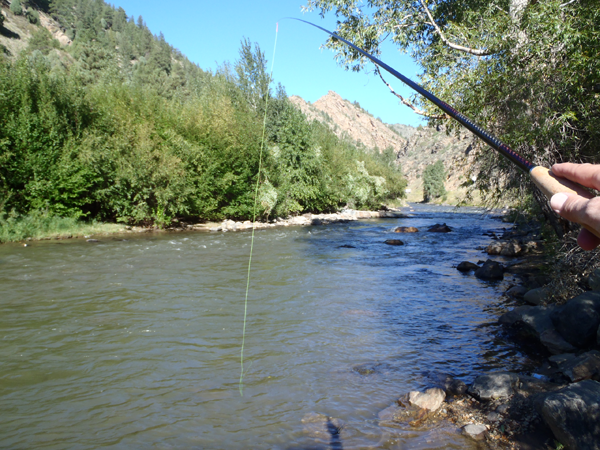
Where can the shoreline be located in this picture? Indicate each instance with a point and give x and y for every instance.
(525, 408)
(109, 229)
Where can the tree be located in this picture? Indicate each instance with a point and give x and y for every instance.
(526, 71)
(433, 181)
(16, 8)
(252, 77)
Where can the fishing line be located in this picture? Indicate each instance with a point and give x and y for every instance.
(262, 145)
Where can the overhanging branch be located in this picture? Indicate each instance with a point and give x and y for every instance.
(407, 103)
(472, 51)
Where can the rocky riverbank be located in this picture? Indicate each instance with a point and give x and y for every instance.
(555, 406)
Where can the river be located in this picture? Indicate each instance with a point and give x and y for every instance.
(134, 341)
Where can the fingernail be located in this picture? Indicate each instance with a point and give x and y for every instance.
(557, 201)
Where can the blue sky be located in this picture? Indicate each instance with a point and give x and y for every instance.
(209, 33)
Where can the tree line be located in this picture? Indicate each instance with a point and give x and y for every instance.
(120, 126)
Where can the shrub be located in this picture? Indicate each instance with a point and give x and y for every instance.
(16, 8)
(32, 15)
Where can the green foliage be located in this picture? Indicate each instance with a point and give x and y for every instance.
(16, 8)
(1, 20)
(433, 181)
(33, 16)
(43, 41)
(124, 128)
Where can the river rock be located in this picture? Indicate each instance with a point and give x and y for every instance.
(446, 382)
(594, 280)
(537, 296)
(578, 320)
(92, 240)
(511, 248)
(583, 367)
(475, 431)
(467, 266)
(430, 400)
(517, 291)
(406, 230)
(491, 270)
(554, 342)
(322, 426)
(394, 242)
(573, 415)
(535, 323)
(493, 386)
(440, 228)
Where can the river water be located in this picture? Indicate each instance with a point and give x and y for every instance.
(134, 341)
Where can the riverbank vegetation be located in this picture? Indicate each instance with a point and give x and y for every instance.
(121, 127)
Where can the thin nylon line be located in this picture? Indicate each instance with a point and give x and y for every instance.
(262, 145)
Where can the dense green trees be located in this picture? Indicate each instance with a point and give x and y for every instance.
(527, 71)
(123, 127)
(434, 176)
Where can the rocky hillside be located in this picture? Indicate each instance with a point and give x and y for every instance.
(415, 147)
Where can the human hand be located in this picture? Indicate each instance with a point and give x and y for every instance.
(576, 208)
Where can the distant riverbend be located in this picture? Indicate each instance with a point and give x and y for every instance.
(134, 341)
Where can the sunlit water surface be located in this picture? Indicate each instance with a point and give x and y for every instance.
(134, 341)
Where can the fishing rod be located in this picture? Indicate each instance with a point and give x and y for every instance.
(543, 178)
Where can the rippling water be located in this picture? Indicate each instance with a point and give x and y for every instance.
(134, 341)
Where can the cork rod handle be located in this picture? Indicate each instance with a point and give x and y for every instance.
(550, 184)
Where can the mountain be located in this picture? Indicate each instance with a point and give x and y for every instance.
(415, 148)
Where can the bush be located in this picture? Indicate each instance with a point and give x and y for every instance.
(32, 15)
(16, 8)
(433, 181)
(1, 19)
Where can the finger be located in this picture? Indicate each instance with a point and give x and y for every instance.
(585, 174)
(587, 240)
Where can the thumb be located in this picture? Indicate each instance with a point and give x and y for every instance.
(577, 209)
(583, 211)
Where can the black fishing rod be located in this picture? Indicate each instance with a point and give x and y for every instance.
(544, 179)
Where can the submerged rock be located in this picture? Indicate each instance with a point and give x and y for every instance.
(440, 228)
(322, 426)
(406, 230)
(573, 415)
(467, 266)
(394, 242)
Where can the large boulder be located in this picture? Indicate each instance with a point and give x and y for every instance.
(535, 323)
(573, 415)
(491, 270)
(493, 386)
(578, 320)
